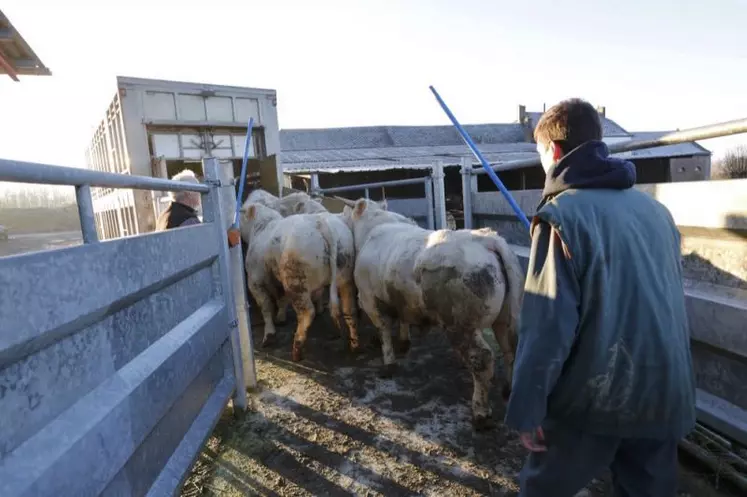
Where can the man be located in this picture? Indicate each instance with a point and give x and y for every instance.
(603, 374)
(183, 209)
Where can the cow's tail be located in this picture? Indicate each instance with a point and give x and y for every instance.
(512, 273)
(330, 238)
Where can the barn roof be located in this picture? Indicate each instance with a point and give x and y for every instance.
(16, 56)
(609, 127)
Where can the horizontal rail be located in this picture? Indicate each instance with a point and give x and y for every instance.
(380, 184)
(688, 135)
(45, 174)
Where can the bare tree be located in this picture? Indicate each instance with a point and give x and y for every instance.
(733, 165)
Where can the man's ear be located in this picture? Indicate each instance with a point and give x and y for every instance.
(360, 208)
(557, 152)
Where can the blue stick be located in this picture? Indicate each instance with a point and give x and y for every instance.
(242, 179)
(471, 144)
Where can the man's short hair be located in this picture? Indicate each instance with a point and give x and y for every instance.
(188, 176)
(569, 123)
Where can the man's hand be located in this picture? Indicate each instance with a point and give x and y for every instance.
(234, 237)
(533, 440)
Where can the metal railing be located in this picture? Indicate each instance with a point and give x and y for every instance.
(435, 198)
(141, 389)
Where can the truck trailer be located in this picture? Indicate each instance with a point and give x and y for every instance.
(157, 128)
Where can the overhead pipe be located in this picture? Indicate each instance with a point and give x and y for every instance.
(688, 135)
(486, 166)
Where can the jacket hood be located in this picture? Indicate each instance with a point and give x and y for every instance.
(589, 166)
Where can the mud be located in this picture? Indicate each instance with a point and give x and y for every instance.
(330, 426)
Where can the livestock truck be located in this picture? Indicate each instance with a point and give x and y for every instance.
(157, 128)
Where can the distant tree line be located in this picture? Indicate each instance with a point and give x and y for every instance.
(36, 196)
(733, 165)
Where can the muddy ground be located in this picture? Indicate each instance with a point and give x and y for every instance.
(329, 426)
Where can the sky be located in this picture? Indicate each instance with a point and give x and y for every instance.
(654, 64)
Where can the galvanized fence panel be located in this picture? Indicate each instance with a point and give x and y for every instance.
(116, 358)
(429, 211)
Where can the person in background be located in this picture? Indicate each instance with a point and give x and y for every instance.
(603, 376)
(182, 211)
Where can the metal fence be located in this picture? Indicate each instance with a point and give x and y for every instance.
(433, 201)
(118, 357)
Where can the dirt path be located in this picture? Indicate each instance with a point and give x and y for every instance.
(330, 427)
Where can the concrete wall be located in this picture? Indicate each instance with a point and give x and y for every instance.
(712, 218)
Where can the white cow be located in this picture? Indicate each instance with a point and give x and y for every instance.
(295, 203)
(295, 256)
(462, 281)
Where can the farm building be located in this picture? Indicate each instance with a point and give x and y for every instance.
(157, 128)
(383, 153)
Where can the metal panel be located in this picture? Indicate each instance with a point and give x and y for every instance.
(159, 105)
(246, 108)
(166, 145)
(116, 358)
(219, 109)
(23, 283)
(191, 107)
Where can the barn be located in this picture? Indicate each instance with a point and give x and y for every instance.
(335, 157)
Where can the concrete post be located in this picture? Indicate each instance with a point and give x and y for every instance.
(466, 171)
(439, 194)
(238, 282)
(314, 184)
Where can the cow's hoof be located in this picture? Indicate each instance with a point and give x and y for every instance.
(269, 341)
(506, 392)
(388, 371)
(483, 423)
(297, 354)
(355, 347)
(403, 346)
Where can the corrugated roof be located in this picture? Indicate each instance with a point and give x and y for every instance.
(679, 150)
(373, 137)
(16, 56)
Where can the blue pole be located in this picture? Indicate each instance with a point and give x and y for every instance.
(242, 179)
(471, 144)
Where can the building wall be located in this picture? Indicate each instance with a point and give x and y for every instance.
(696, 168)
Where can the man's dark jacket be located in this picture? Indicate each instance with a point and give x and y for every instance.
(604, 343)
(176, 215)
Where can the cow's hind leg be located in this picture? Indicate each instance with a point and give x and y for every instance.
(403, 343)
(305, 312)
(504, 335)
(282, 313)
(383, 324)
(478, 357)
(267, 305)
(349, 314)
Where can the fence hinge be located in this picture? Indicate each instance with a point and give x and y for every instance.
(214, 182)
(233, 324)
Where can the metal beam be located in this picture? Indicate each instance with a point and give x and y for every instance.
(8, 67)
(44, 174)
(689, 135)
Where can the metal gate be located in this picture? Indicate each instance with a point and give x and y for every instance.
(117, 357)
(420, 209)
